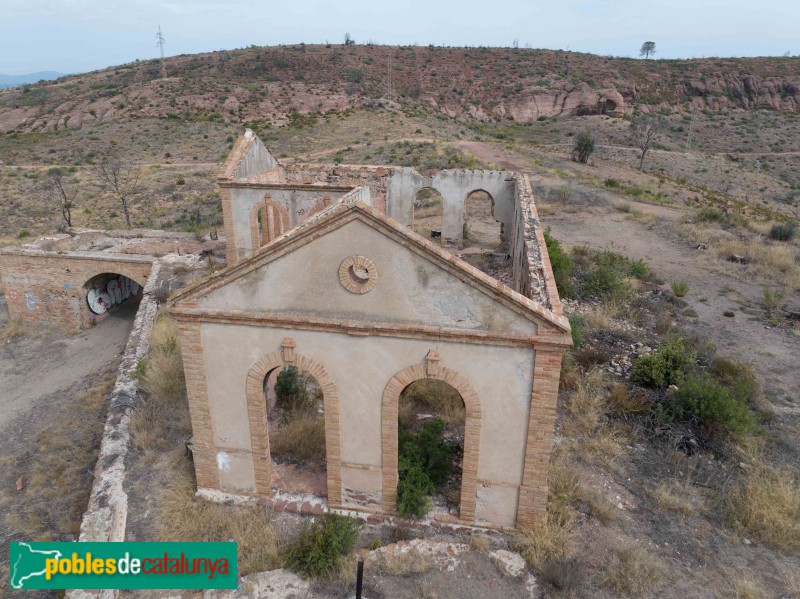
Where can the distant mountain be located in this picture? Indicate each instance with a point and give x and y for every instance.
(12, 80)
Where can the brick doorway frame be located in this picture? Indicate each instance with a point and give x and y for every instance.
(257, 416)
(389, 436)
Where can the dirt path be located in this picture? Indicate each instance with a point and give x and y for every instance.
(34, 367)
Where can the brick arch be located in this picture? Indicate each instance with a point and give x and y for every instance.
(257, 416)
(493, 204)
(274, 221)
(472, 429)
(116, 269)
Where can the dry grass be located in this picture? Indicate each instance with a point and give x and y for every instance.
(677, 497)
(623, 399)
(771, 261)
(60, 470)
(479, 543)
(635, 573)
(553, 540)
(182, 517)
(13, 328)
(401, 564)
(588, 404)
(766, 504)
(606, 447)
(743, 588)
(436, 397)
(163, 416)
(602, 316)
(599, 507)
(302, 437)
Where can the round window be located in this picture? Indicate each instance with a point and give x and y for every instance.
(358, 274)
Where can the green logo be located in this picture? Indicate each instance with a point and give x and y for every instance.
(123, 566)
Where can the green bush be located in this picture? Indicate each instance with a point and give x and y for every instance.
(577, 323)
(666, 367)
(638, 269)
(611, 183)
(583, 148)
(700, 397)
(291, 391)
(604, 282)
(679, 288)
(319, 549)
(563, 266)
(424, 462)
(784, 231)
(709, 215)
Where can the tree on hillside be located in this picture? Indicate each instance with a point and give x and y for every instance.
(647, 49)
(120, 179)
(644, 131)
(348, 41)
(56, 190)
(583, 148)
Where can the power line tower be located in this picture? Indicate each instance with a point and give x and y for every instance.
(160, 42)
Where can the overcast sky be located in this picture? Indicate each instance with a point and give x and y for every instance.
(80, 35)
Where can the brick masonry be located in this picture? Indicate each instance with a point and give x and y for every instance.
(48, 287)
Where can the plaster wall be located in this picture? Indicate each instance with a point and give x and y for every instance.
(454, 186)
(256, 160)
(299, 203)
(361, 367)
(410, 288)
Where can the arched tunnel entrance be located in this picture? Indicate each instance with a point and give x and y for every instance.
(108, 293)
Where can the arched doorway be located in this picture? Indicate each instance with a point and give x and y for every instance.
(481, 230)
(431, 419)
(111, 293)
(427, 214)
(296, 424)
(390, 430)
(257, 409)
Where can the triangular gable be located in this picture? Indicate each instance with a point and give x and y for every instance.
(248, 157)
(340, 215)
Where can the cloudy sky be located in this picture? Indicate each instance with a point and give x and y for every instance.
(81, 35)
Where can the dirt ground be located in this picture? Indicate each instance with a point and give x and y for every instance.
(42, 376)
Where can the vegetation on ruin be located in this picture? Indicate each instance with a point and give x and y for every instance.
(320, 548)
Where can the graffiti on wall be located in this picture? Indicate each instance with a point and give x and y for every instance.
(102, 297)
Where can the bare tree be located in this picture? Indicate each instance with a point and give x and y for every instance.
(644, 131)
(121, 179)
(56, 189)
(647, 49)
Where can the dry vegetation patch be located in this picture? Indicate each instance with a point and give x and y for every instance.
(183, 517)
(635, 573)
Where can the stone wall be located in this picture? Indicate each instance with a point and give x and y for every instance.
(47, 287)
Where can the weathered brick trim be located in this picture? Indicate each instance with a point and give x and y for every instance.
(472, 429)
(257, 237)
(257, 416)
(231, 256)
(532, 508)
(186, 312)
(194, 367)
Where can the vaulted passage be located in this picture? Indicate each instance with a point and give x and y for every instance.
(427, 214)
(111, 293)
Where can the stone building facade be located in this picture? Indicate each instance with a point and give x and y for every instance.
(324, 274)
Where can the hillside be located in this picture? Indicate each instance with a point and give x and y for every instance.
(483, 84)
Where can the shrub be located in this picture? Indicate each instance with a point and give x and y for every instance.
(604, 282)
(667, 366)
(709, 215)
(783, 231)
(319, 549)
(635, 573)
(23, 234)
(563, 266)
(291, 392)
(638, 269)
(424, 462)
(301, 438)
(583, 148)
(679, 288)
(700, 397)
(577, 323)
(611, 183)
(772, 299)
(181, 181)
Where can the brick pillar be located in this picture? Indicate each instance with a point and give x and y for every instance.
(204, 451)
(227, 217)
(532, 508)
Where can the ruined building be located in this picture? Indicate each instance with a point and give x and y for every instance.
(324, 274)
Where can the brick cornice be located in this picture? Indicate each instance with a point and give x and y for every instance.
(184, 312)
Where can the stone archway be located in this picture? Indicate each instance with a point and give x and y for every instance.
(389, 437)
(257, 416)
(268, 220)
